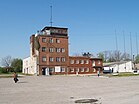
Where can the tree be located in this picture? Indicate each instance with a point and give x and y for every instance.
(101, 55)
(17, 64)
(137, 59)
(6, 61)
(106, 55)
(113, 56)
(125, 57)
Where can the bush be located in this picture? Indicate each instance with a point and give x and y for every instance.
(6, 70)
(2, 70)
(17, 70)
(11, 70)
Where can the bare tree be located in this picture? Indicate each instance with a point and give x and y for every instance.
(6, 61)
(125, 57)
(101, 55)
(113, 56)
(106, 55)
(117, 55)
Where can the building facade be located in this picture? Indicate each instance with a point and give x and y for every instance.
(84, 65)
(49, 55)
(118, 67)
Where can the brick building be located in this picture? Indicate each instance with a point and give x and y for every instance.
(49, 54)
(84, 65)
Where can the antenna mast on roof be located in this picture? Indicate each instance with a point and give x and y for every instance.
(51, 16)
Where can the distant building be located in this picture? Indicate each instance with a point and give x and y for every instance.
(49, 54)
(125, 66)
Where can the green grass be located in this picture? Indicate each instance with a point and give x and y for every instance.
(125, 74)
(9, 75)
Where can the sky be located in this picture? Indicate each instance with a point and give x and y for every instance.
(91, 24)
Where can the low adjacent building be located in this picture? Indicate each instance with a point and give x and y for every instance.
(124, 66)
(84, 65)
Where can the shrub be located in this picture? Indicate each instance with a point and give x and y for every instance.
(2, 70)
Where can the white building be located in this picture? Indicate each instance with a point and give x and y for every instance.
(125, 66)
(26, 65)
(29, 66)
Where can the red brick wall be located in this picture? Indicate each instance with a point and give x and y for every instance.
(63, 44)
(79, 66)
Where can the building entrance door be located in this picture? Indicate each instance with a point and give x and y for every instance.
(47, 71)
(43, 71)
(77, 71)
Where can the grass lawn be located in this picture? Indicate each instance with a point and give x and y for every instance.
(124, 74)
(9, 75)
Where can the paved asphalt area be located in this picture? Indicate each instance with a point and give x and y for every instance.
(68, 89)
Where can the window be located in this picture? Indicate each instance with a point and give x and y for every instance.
(43, 49)
(98, 61)
(77, 61)
(62, 69)
(57, 49)
(50, 40)
(94, 70)
(87, 69)
(44, 40)
(82, 61)
(51, 69)
(93, 63)
(63, 49)
(72, 70)
(71, 61)
(82, 69)
(43, 59)
(57, 41)
(99, 69)
(51, 59)
(51, 50)
(63, 59)
(87, 62)
(57, 59)
(77, 69)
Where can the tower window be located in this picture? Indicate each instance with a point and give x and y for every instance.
(63, 49)
(51, 50)
(44, 40)
(63, 59)
(50, 40)
(51, 59)
(43, 59)
(43, 49)
(58, 49)
(57, 59)
(57, 41)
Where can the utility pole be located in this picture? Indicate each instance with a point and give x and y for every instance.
(131, 46)
(137, 43)
(124, 49)
(116, 44)
(116, 51)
